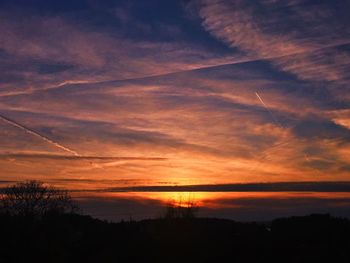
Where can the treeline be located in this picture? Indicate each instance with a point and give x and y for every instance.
(77, 238)
(39, 223)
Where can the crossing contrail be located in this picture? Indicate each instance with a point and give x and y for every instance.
(32, 132)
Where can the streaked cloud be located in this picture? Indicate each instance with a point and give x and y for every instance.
(248, 187)
(78, 53)
(172, 98)
(305, 38)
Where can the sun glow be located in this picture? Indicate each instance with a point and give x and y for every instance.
(212, 200)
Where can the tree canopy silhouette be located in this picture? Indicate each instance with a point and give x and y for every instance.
(34, 198)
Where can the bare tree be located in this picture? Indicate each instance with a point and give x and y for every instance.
(185, 210)
(34, 198)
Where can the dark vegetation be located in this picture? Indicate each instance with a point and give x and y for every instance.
(184, 210)
(35, 199)
(70, 237)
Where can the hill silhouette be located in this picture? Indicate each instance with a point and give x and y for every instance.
(78, 238)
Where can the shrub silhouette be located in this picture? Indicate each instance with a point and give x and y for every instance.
(34, 198)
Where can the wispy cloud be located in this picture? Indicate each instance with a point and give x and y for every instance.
(299, 37)
(76, 53)
(175, 97)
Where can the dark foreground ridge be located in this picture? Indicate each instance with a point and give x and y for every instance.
(77, 238)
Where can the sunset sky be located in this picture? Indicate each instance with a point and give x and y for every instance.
(98, 94)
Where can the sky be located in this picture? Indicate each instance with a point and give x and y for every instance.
(99, 94)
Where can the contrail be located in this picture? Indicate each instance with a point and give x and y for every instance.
(268, 109)
(208, 66)
(280, 125)
(32, 132)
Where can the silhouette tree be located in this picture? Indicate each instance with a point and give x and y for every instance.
(34, 198)
(185, 210)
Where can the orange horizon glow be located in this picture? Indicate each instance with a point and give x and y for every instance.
(212, 200)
